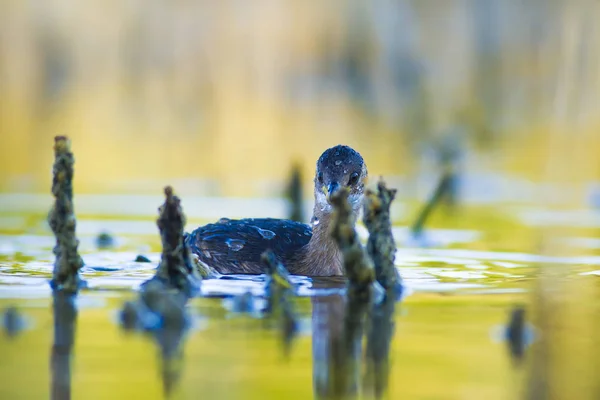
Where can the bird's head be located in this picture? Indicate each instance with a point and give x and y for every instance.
(338, 167)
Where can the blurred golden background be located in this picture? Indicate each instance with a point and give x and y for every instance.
(220, 98)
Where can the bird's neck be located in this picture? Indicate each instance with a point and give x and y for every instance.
(321, 256)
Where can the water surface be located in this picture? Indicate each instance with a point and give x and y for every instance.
(441, 341)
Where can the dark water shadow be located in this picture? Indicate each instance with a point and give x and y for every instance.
(169, 339)
(65, 323)
(162, 316)
(380, 331)
(342, 368)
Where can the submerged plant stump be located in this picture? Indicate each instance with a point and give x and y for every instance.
(441, 190)
(381, 246)
(175, 269)
(278, 281)
(162, 301)
(357, 265)
(65, 276)
(294, 193)
(161, 307)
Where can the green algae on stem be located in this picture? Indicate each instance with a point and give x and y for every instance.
(175, 269)
(65, 276)
(381, 246)
(358, 267)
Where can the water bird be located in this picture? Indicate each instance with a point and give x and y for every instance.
(235, 246)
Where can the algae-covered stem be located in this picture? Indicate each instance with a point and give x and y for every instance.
(62, 221)
(381, 246)
(357, 265)
(175, 269)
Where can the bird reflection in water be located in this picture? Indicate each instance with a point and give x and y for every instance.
(339, 326)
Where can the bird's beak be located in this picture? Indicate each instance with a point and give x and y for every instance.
(331, 189)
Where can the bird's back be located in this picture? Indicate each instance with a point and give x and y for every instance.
(235, 246)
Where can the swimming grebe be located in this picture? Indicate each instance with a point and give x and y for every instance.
(235, 246)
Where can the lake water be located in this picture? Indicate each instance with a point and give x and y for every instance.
(445, 339)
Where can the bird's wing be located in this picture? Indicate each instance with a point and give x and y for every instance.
(235, 246)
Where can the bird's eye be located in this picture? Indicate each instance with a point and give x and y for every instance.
(353, 179)
(320, 177)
